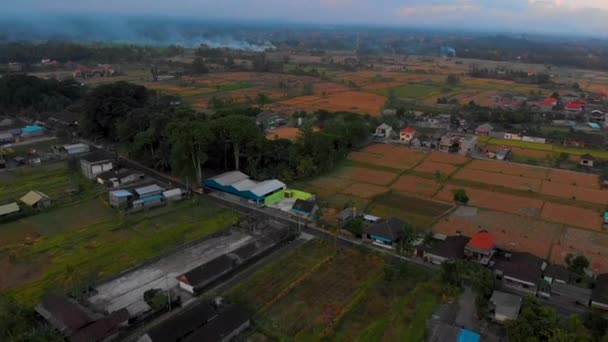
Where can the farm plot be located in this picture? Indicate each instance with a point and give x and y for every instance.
(420, 213)
(593, 245)
(359, 174)
(265, 285)
(289, 133)
(575, 192)
(574, 216)
(416, 91)
(448, 158)
(512, 232)
(396, 157)
(354, 101)
(574, 178)
(364, 190)
(509, 169)
(491, 178)
(311, 309)
(494, 201)
(416, 186)
(432, 167)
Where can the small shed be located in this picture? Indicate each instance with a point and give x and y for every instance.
(484, 129)
(36, 199)
(587, 160)
(174, 195)
(384, 131)
(302, 208)
(32, 131)
(345, 216)
(120, 198)
(149, 190)
(8, 209)
(76, 149)
(149, 201)
(506, 306)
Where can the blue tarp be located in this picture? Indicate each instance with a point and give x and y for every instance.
(153, 198)
(120, 193)
(32, 129)
(468, 336)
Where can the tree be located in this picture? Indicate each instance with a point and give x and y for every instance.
(534, 323)
(460, 196)
(308, 89)
(199, 67)
(262, 99)
(408, 235)
(238, 130)
(190, 137)
(453, 80)
(555, 95)
(19, 323)
(596, 323)
(577, 264)
(157, 299)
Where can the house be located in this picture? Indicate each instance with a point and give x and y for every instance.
(416, 142)
(345, 216)
(519, 271)
(199, 278)
(95, 164)
(574, 106)
(512, 135)
(484, 129)
(174, 195)
(385, 232)
(599, 296)
(148, 190)
(506, 306)
(116, 178)
(384, 131)
(481, 247)
(32, 131)
(239, 184)
(120, 198)
(304, 209)
(407, 134)
(6, 138)
(457, 143)
(148, 201)
(64, 314)
(449, 248)
(104, 329)
(587, 160)
(75, 149)
(9, 209)
(36, 200)
(443, 332)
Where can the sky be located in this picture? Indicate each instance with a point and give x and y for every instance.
(588, 17)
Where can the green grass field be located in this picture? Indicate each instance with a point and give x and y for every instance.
(316, 293)
(102, 242)
(412, 91)
(234, 86)
(546, 147)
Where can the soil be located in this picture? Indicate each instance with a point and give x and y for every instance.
(492, 178)
(367, 175)
(364, 190)
(412, 185)
(566, 214)
(574, 192)
(432, 167)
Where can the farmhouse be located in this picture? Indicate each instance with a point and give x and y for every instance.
(239, 184)
(120, 198)
(304, 209)
(385, 232)
(506, 306)
(197, 279)
(587, 160)
(36, 199)
(484, 129)
(384, 131)
(520, 271)
(9, 209)
(407, 134)
(449, 248)
(456, 143)
(94, 164)
(481, 247)
(64, 314)
(599, 297)
(75, 149)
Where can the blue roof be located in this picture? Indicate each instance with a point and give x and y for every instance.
(594, 125)
(468, 336)
(32, 129)
(152, 198)
(121, 193)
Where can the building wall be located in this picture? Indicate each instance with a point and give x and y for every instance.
(186, 287)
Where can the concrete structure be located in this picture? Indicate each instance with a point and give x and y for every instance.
(304, 209)
(384, 131)
(36, 199)
(9, 209)
(174, 195)
(407, 135)
(116, 178)
(95, 164)
(506, 306)
(76, 149)
(520, 271)
(239, 184)
(449, 248)
(385, 232)
(149, 190)
(120, 198)
(481, 247)
(458, 143)
(587, 160)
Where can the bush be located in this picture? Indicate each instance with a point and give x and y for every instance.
(460, 196)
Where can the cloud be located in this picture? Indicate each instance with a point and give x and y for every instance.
(459, 7)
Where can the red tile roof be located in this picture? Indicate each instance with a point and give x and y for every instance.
(409, 129)
(482, 240)
(549, 101)
(574, 105)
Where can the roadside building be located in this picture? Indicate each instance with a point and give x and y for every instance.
(443, 332)
(149, 190)
(239, 184)
(231, 322)
(345, 216)
(32, 131)
(104, 329)
(8, 209)
(449, 248)
(116, 178)
(76, 149)
(197, 279)
(407, 134)
(304, 209)
(95, 164)
(148, 202)
(174, 195)
(587, 160)
(481, 247)
(385, 232)
(120, 198)
(184, 323)
(484, 129)
(36, 200)
(384, 131)
(520, 271)
(599, 297)
(64, 314)
(6, 138)
(506, 306)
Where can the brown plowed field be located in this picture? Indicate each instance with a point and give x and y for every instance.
(289, 133)
(367, 175)
(432, 167)
(512, 232)
(365, 190)
(416, 186)
(396, 157)
(508, 168)
(448, 158)
(494, 201)
(572, 178)
(492, 178)
(331, 183)
(354, 101)
(593, 245)
(579, 193)
(573, 216)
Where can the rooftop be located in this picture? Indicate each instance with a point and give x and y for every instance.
(523, 266)
(206, 273)
(304, 206)
(9, 208)
(102, 328)
(143, 191)
(408, 129)
(33, 197)
(182, 324)
(229, 178)
(220, 327)
(507, 305)
(63, 313)
(391, 228)
(452, 247)
(482, 240)
(95, 157)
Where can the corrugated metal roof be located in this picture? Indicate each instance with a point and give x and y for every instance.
(229, 178)
(245, 184)
(78, 146)
(152, 198)
(33, 197)
(468, 336)
(32, 129)
(173, 192)
(9, 209)
(121, 193)
(148, 189)
(266, 187)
